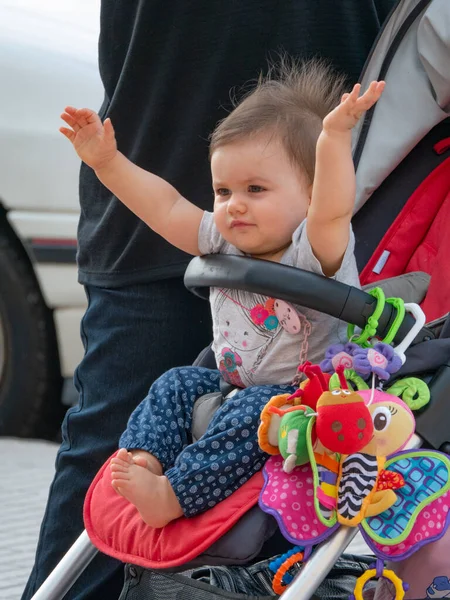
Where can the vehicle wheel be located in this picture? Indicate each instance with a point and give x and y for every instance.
(30, 379)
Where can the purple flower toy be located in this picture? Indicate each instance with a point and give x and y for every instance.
(381, 360)
(339, 355)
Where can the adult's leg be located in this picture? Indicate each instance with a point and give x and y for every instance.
(131, 336)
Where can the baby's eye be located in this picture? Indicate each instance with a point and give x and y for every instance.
(223, 192)
(245, 332)
(255, 189)
(227, 323)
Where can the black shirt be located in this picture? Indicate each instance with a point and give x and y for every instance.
(167, 69)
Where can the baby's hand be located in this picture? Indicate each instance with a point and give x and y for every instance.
(93, 140)
(345, 116)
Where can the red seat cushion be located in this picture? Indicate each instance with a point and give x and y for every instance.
(116, 529)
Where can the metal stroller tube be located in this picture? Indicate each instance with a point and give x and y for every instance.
(318, 566)
(67, 571)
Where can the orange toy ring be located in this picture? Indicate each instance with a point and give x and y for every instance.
(277, 585)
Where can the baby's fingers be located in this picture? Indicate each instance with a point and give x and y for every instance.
(71, 110)
(354, 94)
(108, 128)
(69, 133)
(82, 116)
(70, 121)
(371, 95)
(349, 99)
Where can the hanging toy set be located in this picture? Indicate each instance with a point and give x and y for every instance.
(337, 455)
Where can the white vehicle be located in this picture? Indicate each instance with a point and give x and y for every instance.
(48, 59)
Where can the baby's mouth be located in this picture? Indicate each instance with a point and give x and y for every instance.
(238, 224)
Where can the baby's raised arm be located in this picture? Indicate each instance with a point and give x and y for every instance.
(333, 193)
(151, 198)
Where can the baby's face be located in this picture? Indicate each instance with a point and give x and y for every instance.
(260, 198)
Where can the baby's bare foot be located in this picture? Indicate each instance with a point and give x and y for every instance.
(151, 494)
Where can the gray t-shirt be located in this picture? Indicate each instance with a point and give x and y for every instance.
(260, 340)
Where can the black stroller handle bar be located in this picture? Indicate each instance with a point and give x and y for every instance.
(293, 285)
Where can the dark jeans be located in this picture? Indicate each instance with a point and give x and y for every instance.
(131, 336)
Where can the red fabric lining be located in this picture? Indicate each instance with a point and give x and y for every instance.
(437, 302)
(116, 529)
(417, 241)
(442, 146)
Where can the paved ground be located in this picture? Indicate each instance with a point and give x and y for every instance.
(26, 470)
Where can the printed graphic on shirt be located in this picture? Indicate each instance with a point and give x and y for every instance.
(439, 588)
(247, 326)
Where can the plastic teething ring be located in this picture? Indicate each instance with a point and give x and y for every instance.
(399, 305)
(387, 574)
(370, 329)
(277, 584)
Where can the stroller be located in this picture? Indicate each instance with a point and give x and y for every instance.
(403, 185)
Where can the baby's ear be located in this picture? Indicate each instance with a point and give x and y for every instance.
(270, 424)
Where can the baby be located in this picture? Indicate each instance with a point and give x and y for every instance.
(284, 191)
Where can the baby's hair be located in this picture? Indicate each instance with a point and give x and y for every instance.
(289, 103)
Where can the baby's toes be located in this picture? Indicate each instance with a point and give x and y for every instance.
(116, 487)
(119, 475)
(140, 461)
(124, 455)
(118, 465)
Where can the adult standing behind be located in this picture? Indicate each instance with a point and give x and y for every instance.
(167, 70)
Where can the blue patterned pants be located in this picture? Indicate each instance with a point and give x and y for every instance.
(223, 459)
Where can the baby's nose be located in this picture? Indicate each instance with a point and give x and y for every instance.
(236, 204)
